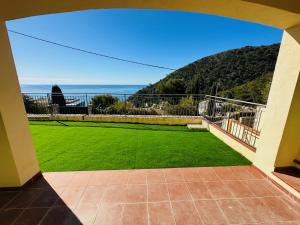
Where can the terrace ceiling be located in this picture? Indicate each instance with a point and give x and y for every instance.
(277, 13)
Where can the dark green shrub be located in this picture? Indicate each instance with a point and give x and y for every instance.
(112, 110)
(57, 97)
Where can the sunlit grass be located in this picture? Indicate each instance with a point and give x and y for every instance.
(69, 146)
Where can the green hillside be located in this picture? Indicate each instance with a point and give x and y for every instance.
(232, 71)
(256, 90)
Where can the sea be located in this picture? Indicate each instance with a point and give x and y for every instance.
(82, 89)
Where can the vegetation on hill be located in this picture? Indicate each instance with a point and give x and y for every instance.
(228, 70)
(256, 90)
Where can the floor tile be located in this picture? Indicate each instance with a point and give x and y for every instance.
(31, 216)
(86, 213)
(191, 174)
(218, 190)
(256, 173)
(61, 179)
(155, 176)
(62, 214)
(9, 215)
(209, 212)
(92, 195)
(225, 173)
(207, 174)
(257, 209)
(243, 172)
(287, 223)
(137, 177)
(173, 175)
(105, 197)
(46, 199)
(118, 177)
(70, 197)
(185, 213)
(262, 188)
(157, 193)
(135, 214)
(199, 190)
(178, 191)
(136, 193)
(49, 175)
(100, 177)
(40, 183)
(280, 211)
(291, 203)
(24, 198)
(115, 194)
(238, 189)
(80, 179)
(234, 212)
(7, 196)
(160, 213)
(109, 214)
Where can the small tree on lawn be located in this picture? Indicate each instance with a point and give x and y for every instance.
(57, 97)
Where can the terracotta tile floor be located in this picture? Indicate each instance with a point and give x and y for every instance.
(222, 195)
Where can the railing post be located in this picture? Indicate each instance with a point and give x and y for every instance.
(50, 104)
(125, 105)
(86, 103)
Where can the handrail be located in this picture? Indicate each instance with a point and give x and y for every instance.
(96, 93)
(235, 100)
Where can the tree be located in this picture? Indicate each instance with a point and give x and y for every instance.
(196, 85)
(172, 86)
(57, 97)
(232, 68)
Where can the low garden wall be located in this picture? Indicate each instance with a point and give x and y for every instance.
(163, 120)
(233, 142)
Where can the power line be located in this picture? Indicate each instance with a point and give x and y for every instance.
(90, 52)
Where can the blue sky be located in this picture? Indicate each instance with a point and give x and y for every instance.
(168, 38)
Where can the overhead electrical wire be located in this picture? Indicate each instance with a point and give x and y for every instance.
(90, 52)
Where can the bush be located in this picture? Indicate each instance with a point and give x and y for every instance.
(187, 102)
(103, 101)
(120, 108)
(179, 110)
(34, 107)
(186, 107)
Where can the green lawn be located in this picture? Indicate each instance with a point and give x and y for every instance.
(91, 146)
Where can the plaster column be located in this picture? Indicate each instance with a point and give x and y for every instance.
(18, 161)
(280, 138)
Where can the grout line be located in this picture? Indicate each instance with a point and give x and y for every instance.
(222, 211)
(194, 204)
(165, 201)
(81, 197)
(14, 221)
(50, 208)
(11, 200)
(122, 214)
(147, 206)
(170, 203)
(99, 205)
